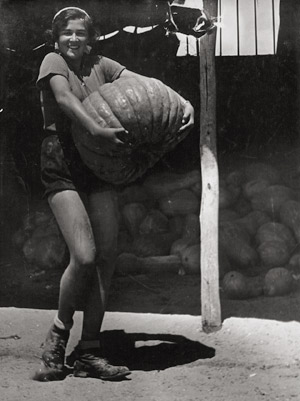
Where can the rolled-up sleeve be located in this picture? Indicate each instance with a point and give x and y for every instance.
(53, 64)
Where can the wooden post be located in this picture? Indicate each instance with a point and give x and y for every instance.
(209, 213)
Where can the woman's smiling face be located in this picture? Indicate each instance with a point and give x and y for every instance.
(73, 40)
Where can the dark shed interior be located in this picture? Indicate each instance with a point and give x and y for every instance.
(257, 101)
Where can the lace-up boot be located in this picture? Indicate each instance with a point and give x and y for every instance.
(53, 357)
(90, 363)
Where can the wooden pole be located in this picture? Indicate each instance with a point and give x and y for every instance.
(209, 211)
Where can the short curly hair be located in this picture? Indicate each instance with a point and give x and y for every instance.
(61, 20)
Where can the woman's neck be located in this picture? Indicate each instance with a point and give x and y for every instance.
(75, 65)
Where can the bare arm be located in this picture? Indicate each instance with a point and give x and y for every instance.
(74, 109)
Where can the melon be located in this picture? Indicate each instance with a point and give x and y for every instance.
(151, 113)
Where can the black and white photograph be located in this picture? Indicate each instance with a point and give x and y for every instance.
(150, 200)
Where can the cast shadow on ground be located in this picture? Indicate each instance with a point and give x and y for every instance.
(141, 351)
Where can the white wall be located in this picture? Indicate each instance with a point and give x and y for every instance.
(246, 27)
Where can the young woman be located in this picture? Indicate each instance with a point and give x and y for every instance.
(67, 76)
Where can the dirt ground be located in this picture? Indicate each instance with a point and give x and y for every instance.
(153, 326)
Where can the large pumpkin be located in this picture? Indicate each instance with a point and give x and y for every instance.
(150, 111)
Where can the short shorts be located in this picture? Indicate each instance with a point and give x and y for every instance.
(62, 167)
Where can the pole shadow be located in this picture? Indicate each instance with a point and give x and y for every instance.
(142, 351)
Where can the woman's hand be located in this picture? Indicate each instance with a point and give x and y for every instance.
(112, 139)
(188, 118)
(110, 135)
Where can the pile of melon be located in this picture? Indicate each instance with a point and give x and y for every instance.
(39, 239)
(159, 228)
(259, 230)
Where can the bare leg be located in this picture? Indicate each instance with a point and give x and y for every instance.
(103, 212)
(75, 225)
(73, 220)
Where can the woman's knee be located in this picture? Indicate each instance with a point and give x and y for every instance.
(84, 260)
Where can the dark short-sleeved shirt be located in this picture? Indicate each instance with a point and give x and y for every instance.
(97, 70)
